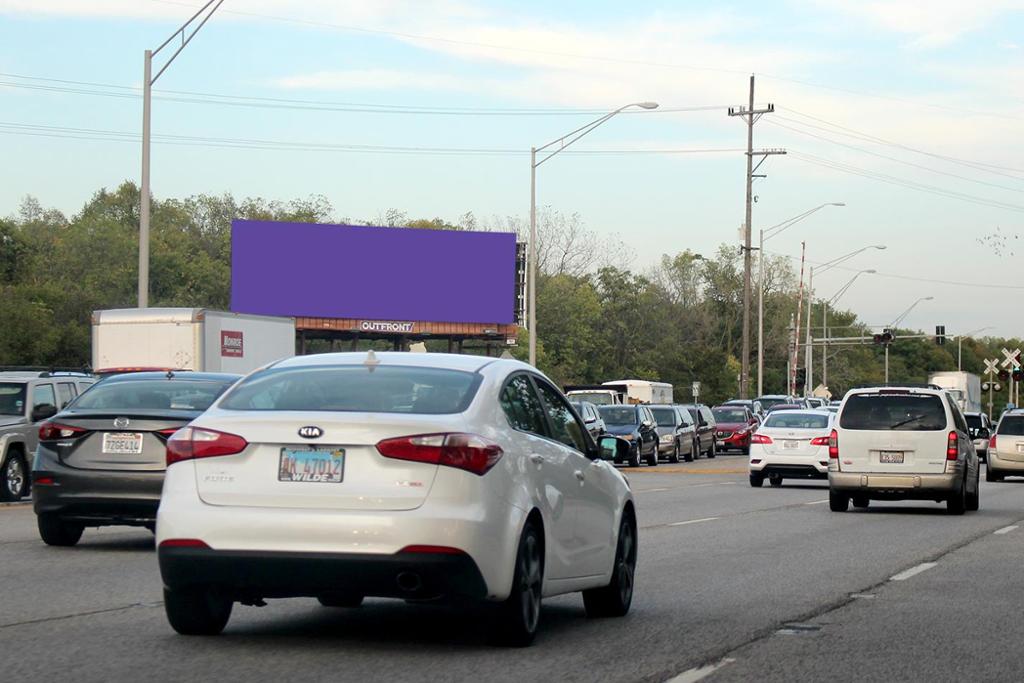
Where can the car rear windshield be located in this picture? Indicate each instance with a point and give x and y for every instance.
(614, 415)
(1011, 425)
(767, 403)
(152, 394)
(973, 421)
(729, 415)
(356, 388)
(666, 417)
(795, 420)
(893, 412)
(12, 398)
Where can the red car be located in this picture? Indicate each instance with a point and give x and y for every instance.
(735, 424)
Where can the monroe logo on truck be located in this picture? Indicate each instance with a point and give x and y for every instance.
(231, 344)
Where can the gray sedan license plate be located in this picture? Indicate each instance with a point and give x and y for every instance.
(891, 457)
(324, 465)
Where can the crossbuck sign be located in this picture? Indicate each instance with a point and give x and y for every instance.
(1011, 362)
(992, 366)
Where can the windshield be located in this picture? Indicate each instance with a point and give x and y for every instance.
(896, 412)
(729, 415)
(1012, 425)
(614, 415)
(665, 417)
(153, 394)
(794, 420)
(767, 402)
(12, 398)
(353, 388)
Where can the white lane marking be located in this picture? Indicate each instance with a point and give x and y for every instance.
(1005, 530)
(817, 502)
(694, 675)
(652, 490)
(913, 571)
(693, 521)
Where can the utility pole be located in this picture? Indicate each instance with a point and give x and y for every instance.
(750, 115)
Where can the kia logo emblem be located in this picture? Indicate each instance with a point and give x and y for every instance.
(310, 432)
(121, 422)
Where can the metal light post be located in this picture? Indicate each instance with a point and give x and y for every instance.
(824, 323)
(778, 228)
(960, 347)
(561, 143)
(893, 325)
(147, 87)
(809, 353)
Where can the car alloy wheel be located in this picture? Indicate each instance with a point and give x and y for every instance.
(15, 478)
(520, 613)
(615, 599)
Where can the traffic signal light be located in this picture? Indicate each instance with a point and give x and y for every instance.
(885, 337)
(1003, 375)
(1018, 375)
(940, 334)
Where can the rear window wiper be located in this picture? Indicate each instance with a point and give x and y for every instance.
(908, 421)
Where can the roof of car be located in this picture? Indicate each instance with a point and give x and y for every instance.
(803, 411)
(896, 388)
(453, 361)
(192, 376)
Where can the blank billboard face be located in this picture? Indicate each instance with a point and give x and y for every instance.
(346, 271)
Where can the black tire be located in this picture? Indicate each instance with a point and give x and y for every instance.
(974, 499)
(746, 450)
(614, 599)
(691, 453)
(55, 531)
(197, 611)
(956, 504)
(633, 458)
(775, 480)
(336, 600)
(992, 475)
(519, 615)
(712, 449)
(674, 458)
(652, 459)
(838, 502)
(756, 480)
(861, 502)
(14, 477)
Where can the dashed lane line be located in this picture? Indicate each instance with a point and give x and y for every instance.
(1005, 529)
(817, 502)
(913, 571)
(693, 521)
(699, 673)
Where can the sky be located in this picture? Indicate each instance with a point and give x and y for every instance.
(907, 112)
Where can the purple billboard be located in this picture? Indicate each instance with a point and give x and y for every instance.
(351, 271)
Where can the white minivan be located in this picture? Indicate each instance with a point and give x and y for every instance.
(895, 443)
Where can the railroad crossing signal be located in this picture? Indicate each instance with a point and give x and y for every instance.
(994, 386)
(991, 366)
(1012, 359)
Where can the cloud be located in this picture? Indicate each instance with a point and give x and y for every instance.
(377, 79)
(929, 24)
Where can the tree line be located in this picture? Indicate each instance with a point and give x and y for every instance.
(600, 317)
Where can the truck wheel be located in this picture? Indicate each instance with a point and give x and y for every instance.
(13, 477)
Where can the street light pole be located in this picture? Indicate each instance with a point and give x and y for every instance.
(892, 326)
(777, 228)
(562, 142)
(147, 90)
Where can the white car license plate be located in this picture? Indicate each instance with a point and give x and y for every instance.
(325, 465)
(791, 444)
(122, 443)
(891, 457)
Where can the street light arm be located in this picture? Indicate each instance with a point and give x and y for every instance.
(575, 135)
(185, 40)
(779, 227)
(905, 313)
(842, 290)
(846, 257)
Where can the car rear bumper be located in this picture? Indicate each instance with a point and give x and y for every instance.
(252, 575)
(809, 471)
(97, 497)
(1003, 464)
(896, 486)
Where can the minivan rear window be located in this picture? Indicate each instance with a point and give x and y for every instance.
(893, 412)
(615, 415)
(666, 417)
(1011, 425)
(355, 388)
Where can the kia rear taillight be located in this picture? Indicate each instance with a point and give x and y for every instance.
(820, 440)
(53, 431)
(189, 443)
(463, 451)
(833, 445)
(952, 446)
(761, 439)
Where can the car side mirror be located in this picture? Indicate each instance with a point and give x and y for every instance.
(43, 411)
(607, 447)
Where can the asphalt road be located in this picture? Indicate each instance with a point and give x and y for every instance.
(734, 583)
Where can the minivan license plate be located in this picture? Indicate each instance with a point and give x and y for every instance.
(311, 465)
(891, 457)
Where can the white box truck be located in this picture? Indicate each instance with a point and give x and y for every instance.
(965, 387)
(188, 339)
(622, 391)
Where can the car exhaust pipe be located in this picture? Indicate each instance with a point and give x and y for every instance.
(409, 582)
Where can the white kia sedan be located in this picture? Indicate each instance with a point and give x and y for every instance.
(791, 444)
(414, 476)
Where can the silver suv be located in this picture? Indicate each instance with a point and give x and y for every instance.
(27, 397)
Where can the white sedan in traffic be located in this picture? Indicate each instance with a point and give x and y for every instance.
(791, 444)
(414, 476)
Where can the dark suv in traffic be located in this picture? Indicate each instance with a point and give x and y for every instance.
(635, 424)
